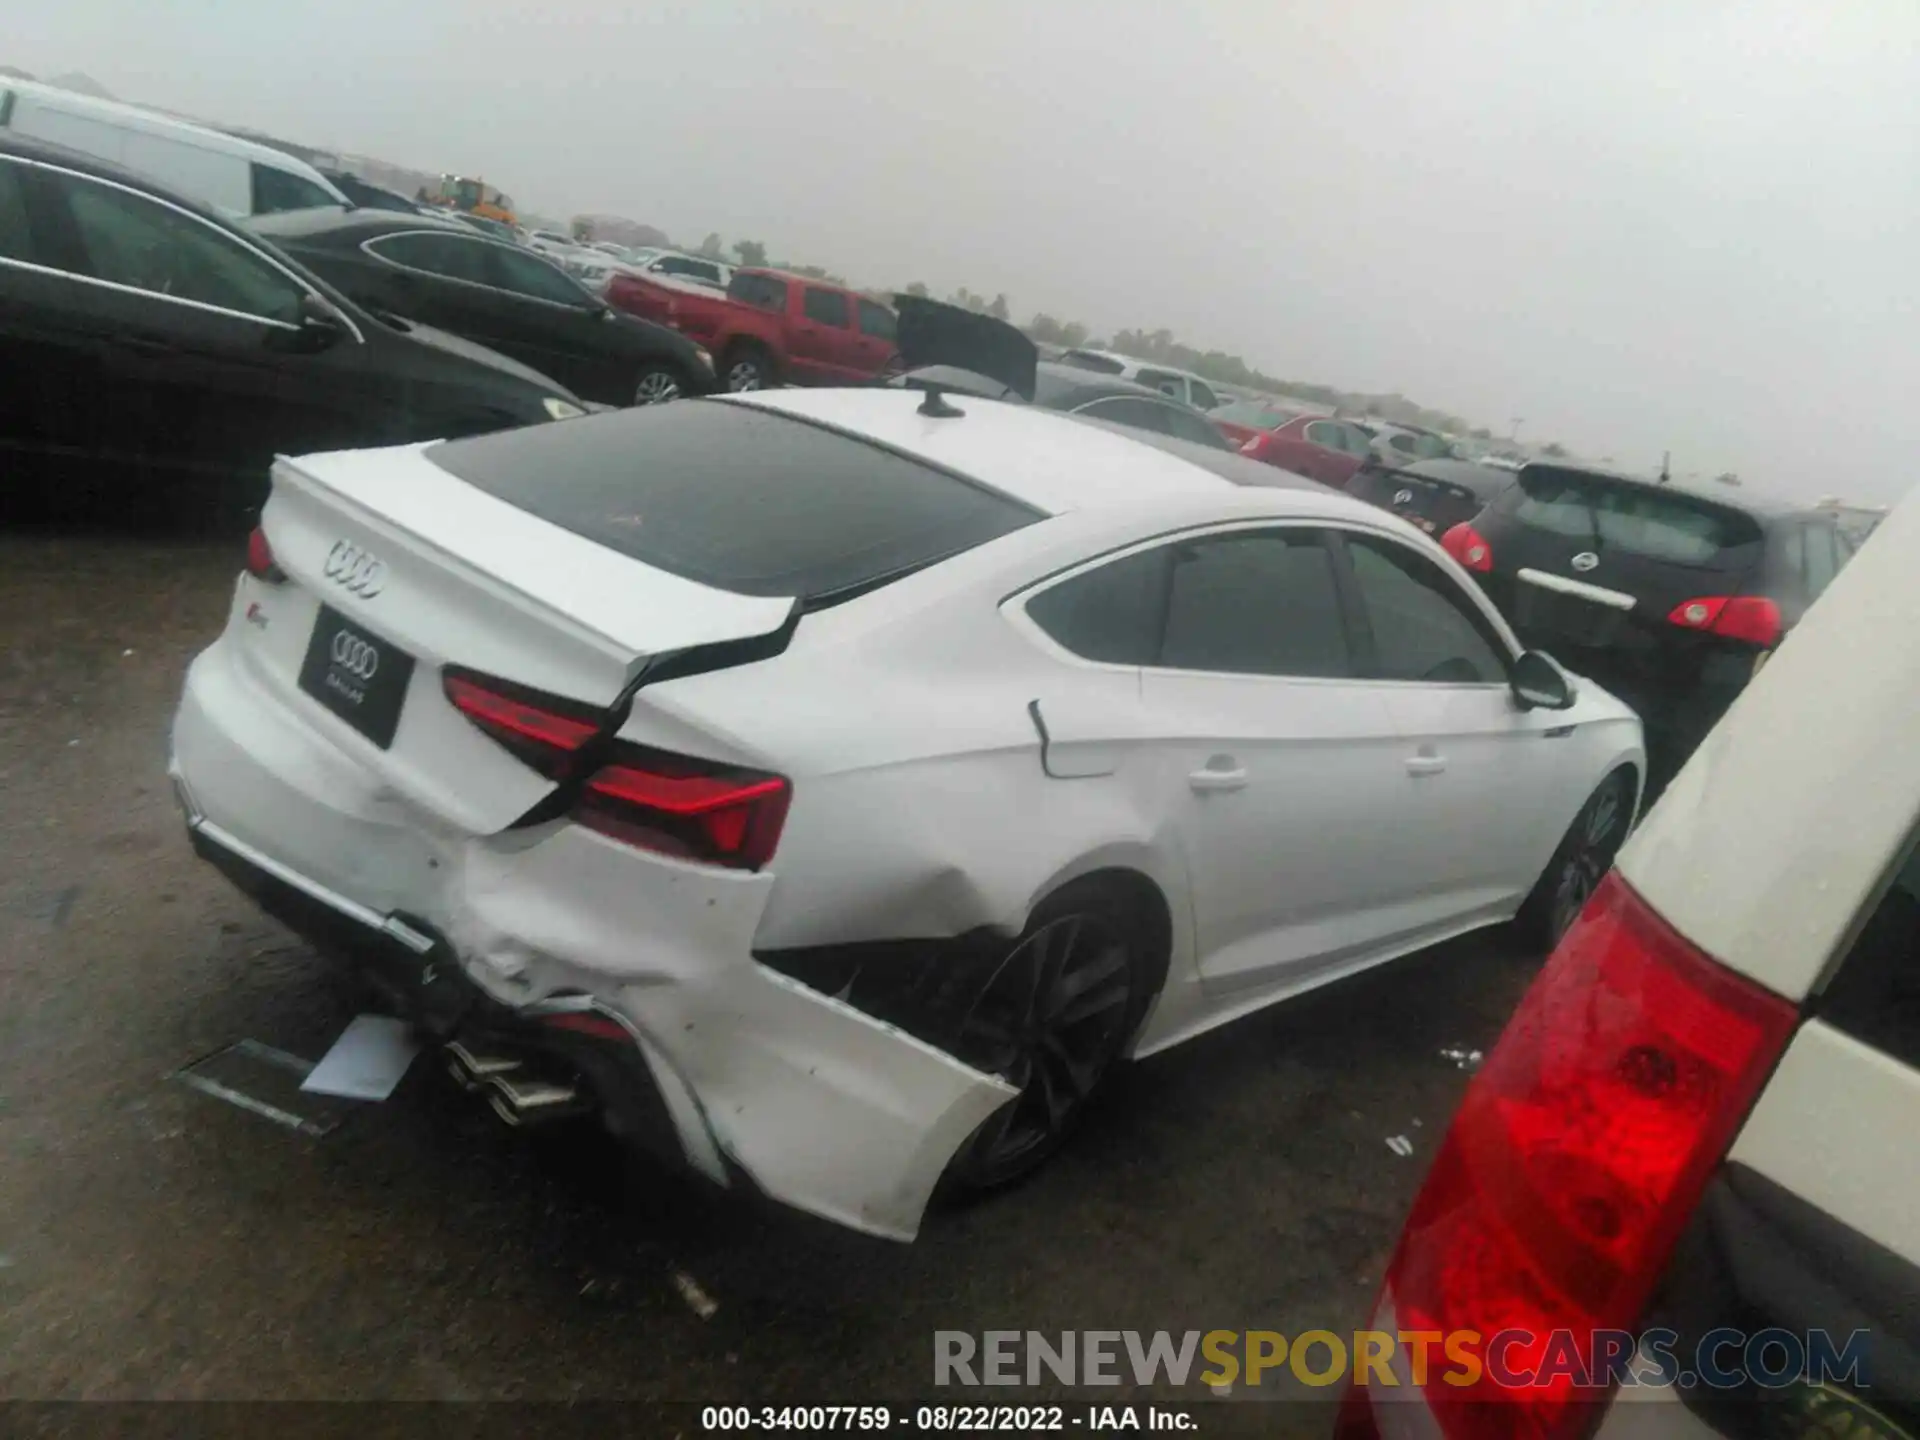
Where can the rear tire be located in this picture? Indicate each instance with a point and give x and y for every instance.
(656, 384)
(1584, 855)
(746, 368)
(1052, 1019)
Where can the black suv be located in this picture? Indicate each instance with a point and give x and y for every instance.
(157, 357)
(1671, 598)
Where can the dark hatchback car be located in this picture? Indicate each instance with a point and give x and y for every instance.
(1670, 598)
(1435, 495)
(500, 295)
(156, 358)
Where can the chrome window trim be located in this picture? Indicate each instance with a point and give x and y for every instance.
(486, 241)
(236, 240)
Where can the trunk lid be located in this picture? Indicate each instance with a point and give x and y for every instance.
(398, 570)
(931, 332)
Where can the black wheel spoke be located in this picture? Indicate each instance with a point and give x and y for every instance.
(1098, 985)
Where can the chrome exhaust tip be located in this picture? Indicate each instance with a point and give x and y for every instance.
(522, 1100)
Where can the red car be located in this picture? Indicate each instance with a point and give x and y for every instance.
(769, 327)
(1317, 446)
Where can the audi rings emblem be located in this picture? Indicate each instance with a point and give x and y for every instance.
(354, 655)
(355, 570)
(1403, 497)
(1585, 561)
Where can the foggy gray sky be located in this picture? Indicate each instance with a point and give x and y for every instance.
(1676, 223)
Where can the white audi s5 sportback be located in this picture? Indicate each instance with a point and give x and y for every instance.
(828, 787)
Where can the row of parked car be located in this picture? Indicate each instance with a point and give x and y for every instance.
(166, 348)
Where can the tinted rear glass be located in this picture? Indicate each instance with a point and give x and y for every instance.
(1627, 518)
(734, 497)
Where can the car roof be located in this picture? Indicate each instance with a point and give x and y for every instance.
(139, 117)
(1056, 463)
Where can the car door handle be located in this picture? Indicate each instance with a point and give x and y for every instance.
(1218, 777)
(1426, 764)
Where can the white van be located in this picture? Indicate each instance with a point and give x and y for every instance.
(232, 175)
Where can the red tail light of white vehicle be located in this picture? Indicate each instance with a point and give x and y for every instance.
(670, 804)
(1576, 1157)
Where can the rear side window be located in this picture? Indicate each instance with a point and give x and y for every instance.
(1133, 413)
(450, 255)
(1083, 360)
(736, 498)
(1255, 604)
(1327, 434)
(1200, 395)
(1631, 519)
(763, 292)
(276, 190)
(826, 307)
(1111, 614)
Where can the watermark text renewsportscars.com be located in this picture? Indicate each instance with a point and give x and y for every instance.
(1723, 1359)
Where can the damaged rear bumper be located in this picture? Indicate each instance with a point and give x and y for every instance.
(720, 1063)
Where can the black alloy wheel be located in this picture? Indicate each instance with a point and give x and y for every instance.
(1577, 867)
(1050, 1021)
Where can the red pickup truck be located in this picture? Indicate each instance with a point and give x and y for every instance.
(770, 328)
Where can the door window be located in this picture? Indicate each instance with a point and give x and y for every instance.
(1259, 603)
(133, 241)
(275, 190)
(827, 307)
(877, 321)
(763, 292)
(529, 275)
(1423, 628)
(1185, 425)
(453, 256)
(1327, 434)
(1111, 614)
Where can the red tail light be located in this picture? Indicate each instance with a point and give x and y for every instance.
(687, 807)
(1469, 547)
(673, 804)
(1579, 1153)
(541, 730)
(260, 562)
(1752, 618)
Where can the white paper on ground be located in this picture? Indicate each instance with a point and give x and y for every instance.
(367, 1061)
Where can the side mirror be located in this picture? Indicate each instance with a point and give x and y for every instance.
(1540, 684)
(321, 327)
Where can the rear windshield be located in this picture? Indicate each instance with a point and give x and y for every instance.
(1082, 360)
(1631, 519)
(736, 498)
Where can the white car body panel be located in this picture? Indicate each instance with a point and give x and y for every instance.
(905, 723)
(1766, 846)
